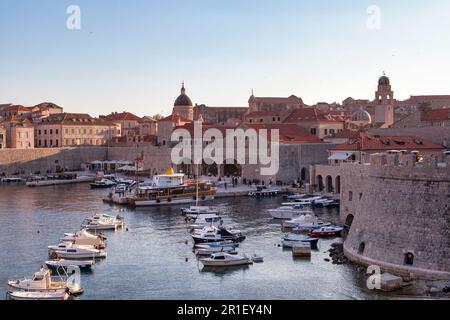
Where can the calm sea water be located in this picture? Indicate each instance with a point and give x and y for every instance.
(149, 260)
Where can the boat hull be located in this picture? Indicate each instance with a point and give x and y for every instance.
(28, 296)
(172, 202)
(231, 263)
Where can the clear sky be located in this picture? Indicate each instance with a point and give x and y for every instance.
(133, 54)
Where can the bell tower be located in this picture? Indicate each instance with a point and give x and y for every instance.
(384, 103)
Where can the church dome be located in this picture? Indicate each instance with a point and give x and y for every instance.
(383, 81)
(183, 99)
(362, 116)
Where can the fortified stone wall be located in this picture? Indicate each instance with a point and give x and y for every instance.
(33, 160)
(156, 159)
(399, 209)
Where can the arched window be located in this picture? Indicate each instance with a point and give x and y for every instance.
(409, 259)
(350, 196)
(303, 174)
(362, 247)
(329, 184)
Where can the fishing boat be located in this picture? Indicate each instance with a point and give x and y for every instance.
(287, 212)
(223, 259)
(329, 231)
(43, 281)
(38, 295)
(83, 237)
(63, 265)
(173, 189)
(290, 240)
(103, 184)
(217, 234)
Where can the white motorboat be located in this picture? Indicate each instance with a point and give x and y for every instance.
(291, 240)
(197, 211)
(77, 253)
(203, 220)
(103, 184)
(66, 264)
(308, 226)
(12, 180)
(38, 295)
(257, 258)
(287, 212)
(303, 202)
(328, 231)
(66, 245)
(83, 237)
(295, 196)
(217, 234)
(210, 250)
(43, 281)
(103, 222)
(223, 259)
(300, 220)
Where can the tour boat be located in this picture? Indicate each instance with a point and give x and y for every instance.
(42, 281)
(83, 237)
(213, 234)
(38, 295)
(66, 264)
(173, 189)
(329, 231)
(223, 259)
(290, 240)
(103, 184)
(287, 212)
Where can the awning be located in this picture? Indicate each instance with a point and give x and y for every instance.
(340, 156)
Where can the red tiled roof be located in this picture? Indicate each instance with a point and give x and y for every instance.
(437, 115)
(366, 143)
(174, 118)
(309, 115)
(289, 133)
(47, 105)
(345, 134)
(18, 108)
(121, 117)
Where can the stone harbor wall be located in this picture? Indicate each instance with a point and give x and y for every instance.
(156, 159)
(399, 213)
(30, 161)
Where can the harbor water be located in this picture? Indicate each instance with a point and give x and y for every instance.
(151, 259)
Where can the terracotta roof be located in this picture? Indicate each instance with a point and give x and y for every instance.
(267, 114)
(18, 108)
(366, 143)
(174, 118)
(437, 115)
(121, 117)
(345, 134)
(75, 119)
(47, 105)
(309, 114)
(289, 133)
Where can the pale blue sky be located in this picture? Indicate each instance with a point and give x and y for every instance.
(133, 54)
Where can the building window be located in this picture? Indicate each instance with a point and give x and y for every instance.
(362, 247)
(51, 131)
(409, 259)
(67, 131)
(313, 131)
(326, 131)
(57, 143)
(332, 131)
(350, 196)
(40, 143)
(57, 131)
(45, 131)
(51, 143)
(39, 131)
(360, 196)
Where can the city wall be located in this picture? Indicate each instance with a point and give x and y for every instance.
(398, 208)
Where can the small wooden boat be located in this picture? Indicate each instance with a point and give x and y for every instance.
(291, 240)
(323, 232)
(223, 259)
(38, 295)
(257, 259)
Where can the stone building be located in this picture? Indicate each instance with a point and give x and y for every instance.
(425, 117)
(19, 133)
(166, 127)
(2, 136)
(15, 111)
(257, 104)
(220, 115)
(73, 129)
(128, 122)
